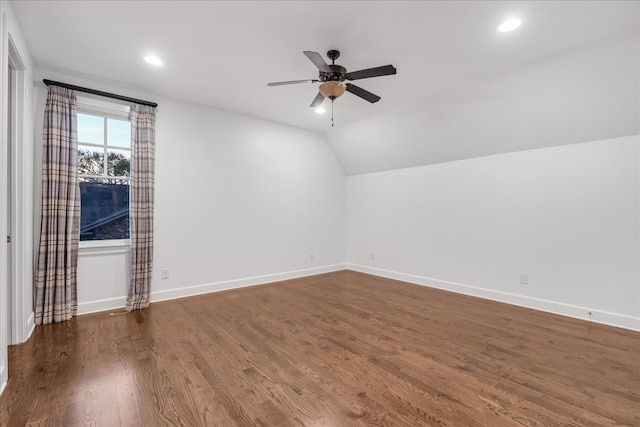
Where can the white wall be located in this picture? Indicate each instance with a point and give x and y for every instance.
(568, 216)
(15, 327)
(239, 201)
(243, 198)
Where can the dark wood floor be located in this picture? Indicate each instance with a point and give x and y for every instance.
(338, 349)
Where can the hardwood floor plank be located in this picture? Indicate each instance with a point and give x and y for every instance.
(338, 349)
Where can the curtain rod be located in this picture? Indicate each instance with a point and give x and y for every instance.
(100, 93)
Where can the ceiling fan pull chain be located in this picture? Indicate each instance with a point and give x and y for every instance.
(332, 113)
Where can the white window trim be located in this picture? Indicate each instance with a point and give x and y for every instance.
(103, 108)
(103, 247)
(113, 111)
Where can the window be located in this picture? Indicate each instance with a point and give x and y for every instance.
(104, 165)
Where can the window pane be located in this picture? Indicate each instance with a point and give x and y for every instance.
(118, 133)
(104, 213)
(90, 160)
(118, 162)
(90, 129)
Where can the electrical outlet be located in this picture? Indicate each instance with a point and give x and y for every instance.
(312, 257)
(165, 273)
(373, 256)
(524, 278)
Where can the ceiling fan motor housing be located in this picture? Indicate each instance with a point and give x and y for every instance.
(338, 73)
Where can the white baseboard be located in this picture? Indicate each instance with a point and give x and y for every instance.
(3, 378)
(31, 326)
(89, 307)
(577, 312)
(169, 294)
(240, 283)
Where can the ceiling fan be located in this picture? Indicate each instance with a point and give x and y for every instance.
(332, 78)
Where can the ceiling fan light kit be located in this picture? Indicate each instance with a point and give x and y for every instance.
(332, 90)
(332, 79)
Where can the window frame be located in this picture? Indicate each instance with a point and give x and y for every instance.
(105, 110)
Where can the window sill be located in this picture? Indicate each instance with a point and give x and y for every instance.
(104, 247)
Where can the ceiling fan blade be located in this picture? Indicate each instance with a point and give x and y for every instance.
(364, 94)
(317, 101)
(385, 70)
(318, 61)
(291, 82)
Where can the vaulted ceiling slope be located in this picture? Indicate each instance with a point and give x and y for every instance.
(462, 89)
(584, 94)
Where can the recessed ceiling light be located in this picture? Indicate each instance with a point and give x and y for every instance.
(153, 60)
(509, 25)
(320, 110)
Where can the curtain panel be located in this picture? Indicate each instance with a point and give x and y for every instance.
(141, 204)
(56, 266)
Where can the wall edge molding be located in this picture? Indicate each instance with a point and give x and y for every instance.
(224, 285)
(96, 306)
(577, 312)
(4, 382)
(31, 326)
(115, 303)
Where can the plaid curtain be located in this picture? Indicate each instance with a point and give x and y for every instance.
(141, 205)
(56, 284)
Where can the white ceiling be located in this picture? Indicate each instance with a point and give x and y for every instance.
(222, 54)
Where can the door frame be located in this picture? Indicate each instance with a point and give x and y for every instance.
(20, 197)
